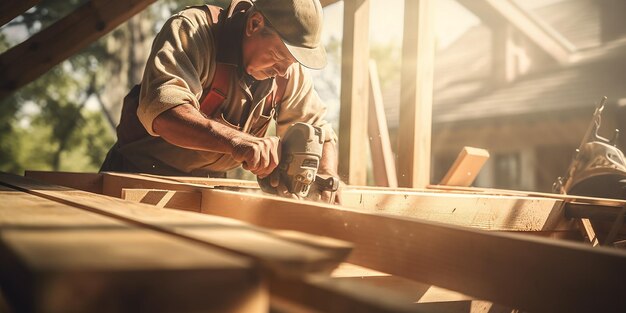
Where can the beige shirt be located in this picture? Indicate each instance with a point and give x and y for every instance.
(181, 67)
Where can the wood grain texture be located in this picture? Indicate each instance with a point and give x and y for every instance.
(316, 292)
(416, 92)
(354, 92)
(488, 212)
(39, 53)
(282, 255)
(57, 258)
(513, 270)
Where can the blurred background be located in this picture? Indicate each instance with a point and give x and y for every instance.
(497, 85)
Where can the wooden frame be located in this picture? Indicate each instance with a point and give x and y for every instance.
(354, 92)
(290, 266)
(383, 163)
(444, 255)
(35, 56)
(416, 92)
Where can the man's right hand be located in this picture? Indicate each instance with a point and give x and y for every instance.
(258, 155)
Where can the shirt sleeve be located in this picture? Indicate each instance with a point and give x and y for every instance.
(301, 103)
(179, 58)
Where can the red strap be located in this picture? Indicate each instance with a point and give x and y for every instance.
(219, 89)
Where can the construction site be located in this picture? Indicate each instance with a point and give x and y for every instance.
(451, 156)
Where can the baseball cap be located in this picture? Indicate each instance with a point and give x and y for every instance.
(299, 25)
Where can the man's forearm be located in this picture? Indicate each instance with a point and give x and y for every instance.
(184, 126)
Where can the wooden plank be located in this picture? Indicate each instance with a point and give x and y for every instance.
(35, 56)
(354, 92)
(207, 181)
(567, 198)
(517, 271)
(91, 182)
(57, 258)
(316, 291)
(324, 294)
(466, 167)
(427, 298)
(495, 213)
(182, 200)
(282, 255)
(113, 183)
(12, 8)
(416, 92)
(383, 164)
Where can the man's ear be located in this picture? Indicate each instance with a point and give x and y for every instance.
(255, 23)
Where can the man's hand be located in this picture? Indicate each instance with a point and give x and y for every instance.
(258, 155)
(281, 189)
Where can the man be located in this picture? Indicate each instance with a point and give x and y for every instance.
(213, 83)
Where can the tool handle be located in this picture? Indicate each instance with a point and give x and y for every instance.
(327, 184)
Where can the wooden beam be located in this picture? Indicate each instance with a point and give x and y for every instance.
(12, 8)
(57, 258)
(282, 255)
(567, 198)
(91, 182)
(542, 34)
(35, 56)
(208, 181)
(354, 92)
(416, 92)
(466, 167)
(113, 183)
(383, 163)
(284, 260)
(494, 213)
(514, 270)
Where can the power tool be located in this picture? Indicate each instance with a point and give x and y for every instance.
(598, 168)
(301, 153)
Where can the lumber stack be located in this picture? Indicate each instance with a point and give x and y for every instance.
(441, 249)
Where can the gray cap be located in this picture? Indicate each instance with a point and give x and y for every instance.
(299, 25)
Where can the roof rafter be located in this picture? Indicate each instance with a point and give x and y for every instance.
(542, 34)
(35, 56)
(11, 9)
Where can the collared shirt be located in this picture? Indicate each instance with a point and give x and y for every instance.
(180, 69)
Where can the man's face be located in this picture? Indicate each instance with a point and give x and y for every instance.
(264, 54)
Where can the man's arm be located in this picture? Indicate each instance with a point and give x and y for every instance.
(185, 126)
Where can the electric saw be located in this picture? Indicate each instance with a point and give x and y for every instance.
(301, 153)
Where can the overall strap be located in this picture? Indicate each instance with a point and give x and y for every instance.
(219, 88)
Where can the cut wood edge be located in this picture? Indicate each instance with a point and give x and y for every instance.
(466, 167)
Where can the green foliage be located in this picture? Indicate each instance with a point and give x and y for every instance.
(387, 57)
